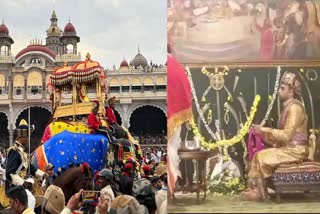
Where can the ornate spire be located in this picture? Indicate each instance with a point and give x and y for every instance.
(138, 48)
(69, 20)
(88, 56)
(54, 16)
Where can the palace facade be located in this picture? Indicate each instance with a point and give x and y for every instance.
(139, 86)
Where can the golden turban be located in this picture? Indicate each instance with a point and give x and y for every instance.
(291, 80)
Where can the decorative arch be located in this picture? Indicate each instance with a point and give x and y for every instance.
(161, 81)
(125, 82)
(4, 130)
(18, 80)
(114, 82)
(121, 115)
(136, 81)
(7, 115)
(2, 80)
(44, 56)
(34, 78)
(142, 105)
(148, 81)
(24, 108)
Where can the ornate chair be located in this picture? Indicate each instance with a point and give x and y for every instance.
(302, 177)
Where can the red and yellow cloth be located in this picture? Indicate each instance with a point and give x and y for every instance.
(179, 109)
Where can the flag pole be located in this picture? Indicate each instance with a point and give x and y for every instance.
(29, 139)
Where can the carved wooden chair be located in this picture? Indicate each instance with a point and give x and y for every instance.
(303, 177)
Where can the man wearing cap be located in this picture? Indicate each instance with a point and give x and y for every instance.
(48, 179)
(289, 140)
(112, 119)
(95, 124)
(18, 161)
(53, 201)
(127, 204)
(126, 181)
(162, 194)
(117, 130)
(104, 181)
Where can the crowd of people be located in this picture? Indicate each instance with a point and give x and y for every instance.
(142, 188)
(130, 184)
(152, 138)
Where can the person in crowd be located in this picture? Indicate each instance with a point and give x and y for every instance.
(147, 172)
(104, 181)
(53, 200)
(162, 194)
(127, 204)
(19, 200)
(18, 161)
(48, 179)
(156, 183)
(28, 185)
(126, 181)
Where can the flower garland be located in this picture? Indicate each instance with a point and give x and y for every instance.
(274, 95)
(198, 105)
(230, 142)
(224, 184)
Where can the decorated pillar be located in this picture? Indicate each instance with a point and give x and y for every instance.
(11, 122)
(125, 122)
(9, 86)
(25, 87)
(11, 134)
(44, 85)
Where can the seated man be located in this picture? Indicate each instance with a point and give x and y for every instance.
(95, 124)
(290, 140)
(117, 130)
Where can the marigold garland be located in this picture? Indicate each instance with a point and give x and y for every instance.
(273, 97)
(229, 142)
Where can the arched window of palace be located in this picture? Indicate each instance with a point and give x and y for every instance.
(4, 50)
(114, 85)
(36, 61)
(2, 85)
(161, 84)
(125, 85)
(136, 85)
(18, 84)
(34, 83)
(148, 84)
(69, 49)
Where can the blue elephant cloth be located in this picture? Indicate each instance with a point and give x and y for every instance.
(68, 148)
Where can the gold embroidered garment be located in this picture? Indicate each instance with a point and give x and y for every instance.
(290, 138)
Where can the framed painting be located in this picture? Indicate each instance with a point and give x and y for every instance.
(245, 32)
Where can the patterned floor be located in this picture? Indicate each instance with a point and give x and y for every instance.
(291, 203)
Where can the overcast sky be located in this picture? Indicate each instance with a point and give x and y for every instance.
(108, 29)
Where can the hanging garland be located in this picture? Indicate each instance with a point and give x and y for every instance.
(274, 95)
(230, 142)
(198, 105)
